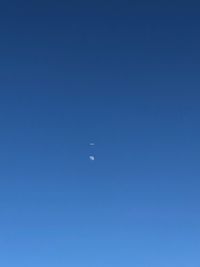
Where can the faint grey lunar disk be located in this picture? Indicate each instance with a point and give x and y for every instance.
(92, 158)
(92, 144)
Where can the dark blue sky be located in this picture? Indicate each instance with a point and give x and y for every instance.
(125, 76)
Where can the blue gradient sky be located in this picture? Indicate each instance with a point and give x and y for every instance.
(125, 76)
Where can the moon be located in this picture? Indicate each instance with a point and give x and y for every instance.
(92, 158)
(91, 144)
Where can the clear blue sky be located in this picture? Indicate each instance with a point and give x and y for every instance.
(124, 75)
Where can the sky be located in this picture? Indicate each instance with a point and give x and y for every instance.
(121, 74)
